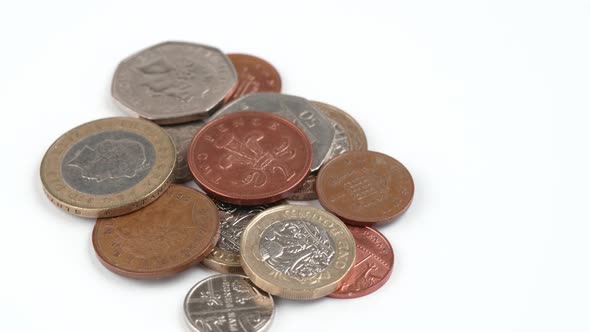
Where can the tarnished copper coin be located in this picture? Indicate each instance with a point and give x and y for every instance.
(164, 238)
(365, 188)
(250, 158)
(254, 75)
(372, 266)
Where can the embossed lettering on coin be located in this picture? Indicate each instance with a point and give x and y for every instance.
(228, 302)
(249, 158)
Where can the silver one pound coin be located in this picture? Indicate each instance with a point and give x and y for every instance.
(319, 130)
(228, 302)
(174, 82)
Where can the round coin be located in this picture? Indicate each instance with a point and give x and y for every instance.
(228, 303)
(318, 129)
(108, 167)
(164, 238)
(174, 82)
(250, 158)
(297, 252)
(349, 136)
(254, 75)
(372, 266)
(365, 188)
(225, 257)
(182, 135)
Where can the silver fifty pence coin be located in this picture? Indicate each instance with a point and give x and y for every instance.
(228, 302)
(174, 82)
(182, 135)
(319, 130)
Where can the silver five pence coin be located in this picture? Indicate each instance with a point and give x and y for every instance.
(174, 82)
(228, 302)
(319, 130)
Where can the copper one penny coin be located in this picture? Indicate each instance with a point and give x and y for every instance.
(372, 266)
(254, 75)
(164, 238)
(365, 188)
(250, 158)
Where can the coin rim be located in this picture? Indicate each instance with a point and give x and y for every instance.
(243, 198)
(193, 113)
(58, 191)
(354, 219)
(222, 275)
(166, 272)
(260, 273)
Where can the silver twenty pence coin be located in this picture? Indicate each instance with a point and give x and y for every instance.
(319, 130)
(228, 302)
(174, 82)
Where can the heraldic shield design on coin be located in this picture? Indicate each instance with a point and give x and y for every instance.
(174, 82)
(298, 252)
(250, 158)
(228, 302)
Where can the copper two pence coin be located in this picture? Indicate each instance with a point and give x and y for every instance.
(372, 266)
(250, 158)
(164, 238)
(254, 75)
(365, 188)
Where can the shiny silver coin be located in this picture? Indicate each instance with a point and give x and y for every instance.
(174, 82)
(228, 302)
(319, 130)
(182, 135)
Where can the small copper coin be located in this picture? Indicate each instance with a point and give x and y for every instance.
(250, 158)
(365, 188)
(254, 75)
(164, 238)
(372, 266)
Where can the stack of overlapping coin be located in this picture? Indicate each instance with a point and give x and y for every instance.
(221, 121)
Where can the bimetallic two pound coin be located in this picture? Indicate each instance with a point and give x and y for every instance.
(164, 238)
(372, 266)
(250, 158)
(174, 82)
(228, 303)
(349, 136)
(225, 257)
(297, 252)
(365, 188)
(254, 75)
(108, 167)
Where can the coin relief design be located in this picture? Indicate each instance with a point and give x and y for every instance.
(299, 252)
(372, 266)
(162, 239)
(108, 162)
(297, 248)
(254, 75)
(319, 130)
(174, 82)
(365, 187)
(228, 302)
(249, 157)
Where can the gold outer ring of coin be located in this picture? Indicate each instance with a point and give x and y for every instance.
(100, 206)
(283, 285)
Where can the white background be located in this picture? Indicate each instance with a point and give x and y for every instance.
(485, 102)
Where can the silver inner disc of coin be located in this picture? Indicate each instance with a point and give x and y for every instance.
(297, 248)
(228, 302)
(108, 162)
(318, 129)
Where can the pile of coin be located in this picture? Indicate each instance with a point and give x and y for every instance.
(221, 121)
